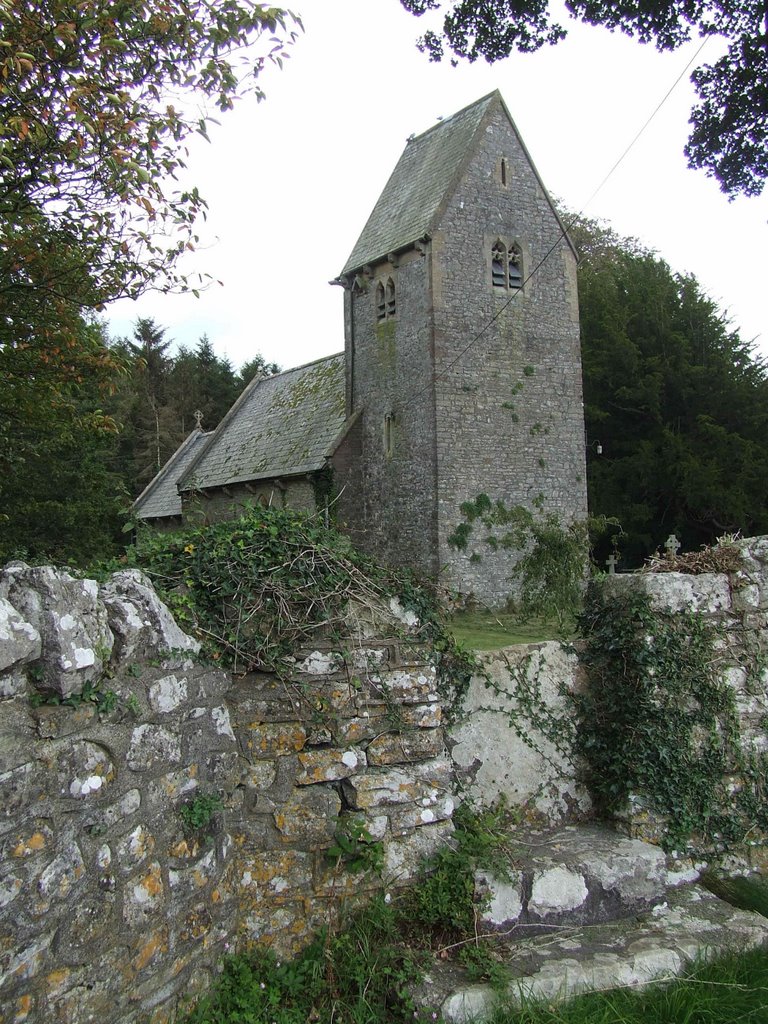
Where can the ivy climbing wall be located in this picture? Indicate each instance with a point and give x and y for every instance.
(156, 812)
(656, 720)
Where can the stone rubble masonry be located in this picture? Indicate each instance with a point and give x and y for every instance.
(737, 605)
(540, 781)
(111, 909)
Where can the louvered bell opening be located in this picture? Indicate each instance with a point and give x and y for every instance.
(497, 271)
(381, 309)
(515, 273)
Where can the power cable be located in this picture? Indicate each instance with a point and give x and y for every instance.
(565, 229)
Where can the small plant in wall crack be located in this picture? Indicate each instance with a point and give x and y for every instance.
(355, 849)
(198, 813)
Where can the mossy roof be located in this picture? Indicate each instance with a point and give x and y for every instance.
(411, 200)
(161, 498)
(284, 425)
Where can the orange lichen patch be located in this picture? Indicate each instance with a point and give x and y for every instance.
(156, 944)
(197, 924)
(215, 896)
(23, 1008)
(26, 847)
(275, 739)
(184, 850)
(149, 889)
(56, 982)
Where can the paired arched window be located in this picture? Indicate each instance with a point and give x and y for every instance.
(506, 266)
(386, 305)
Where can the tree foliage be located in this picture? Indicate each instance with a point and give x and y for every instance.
(729, 138)
(676, 399)
(98, 101)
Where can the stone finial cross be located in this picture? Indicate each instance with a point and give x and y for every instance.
(198, 419)
(611, 561)
(672, 545)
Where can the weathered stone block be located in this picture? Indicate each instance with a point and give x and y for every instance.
(410, 686)
(675, 591)
(431, 808)
(144, 895)
(56, 721)
(309, 816)
(271, 740)
(20, 642)
(172, 785)
(141, 623)
(135, 848)
(72, 623)
(404, 857)
(168, 694)
(328, 765)
(395, 786)
(87, 769)
(63, 873)
(321, 663)
(278, 876)
(153, 745)
(405, 747)
(421, 716)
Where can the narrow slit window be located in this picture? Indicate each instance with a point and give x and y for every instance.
(391, 307)
(381, 306)
(389, 435)
(504, 171)
(498, 268)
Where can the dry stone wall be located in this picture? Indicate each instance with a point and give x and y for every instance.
(168, 813)
(736, 605)
(516, 738)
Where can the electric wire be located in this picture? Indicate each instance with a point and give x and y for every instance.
(565, 228)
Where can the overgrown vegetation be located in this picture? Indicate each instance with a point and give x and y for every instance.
(255, 589)
(729, 989)
(363, 973)
(659, 723)
(548, 579)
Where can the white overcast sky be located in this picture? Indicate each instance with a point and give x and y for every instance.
(291, 181)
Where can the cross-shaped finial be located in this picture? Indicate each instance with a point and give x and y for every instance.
(198, 419)
(611, 561)
(672, 544)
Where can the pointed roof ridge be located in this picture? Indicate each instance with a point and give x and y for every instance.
(423, 180)
(443, 121)
(160, 497)
(406, 209)
(280, 425)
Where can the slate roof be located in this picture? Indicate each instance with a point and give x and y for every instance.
(283, 425)
(410, 202)
(160, 497)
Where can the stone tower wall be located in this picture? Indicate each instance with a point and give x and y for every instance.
(508, 390)
(389, 368)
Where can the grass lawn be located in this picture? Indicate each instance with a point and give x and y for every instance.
(483, 630)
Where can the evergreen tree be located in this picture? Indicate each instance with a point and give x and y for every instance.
(676, 399)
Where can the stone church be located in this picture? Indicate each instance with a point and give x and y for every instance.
(461, 371)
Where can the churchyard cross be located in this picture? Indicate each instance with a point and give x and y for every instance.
(611, 561)
(672, 544)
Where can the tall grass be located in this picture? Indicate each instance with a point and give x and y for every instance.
(732, 990)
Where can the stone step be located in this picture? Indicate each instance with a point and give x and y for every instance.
(576, 875)
(631, 952)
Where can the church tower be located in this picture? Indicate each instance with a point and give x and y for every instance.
(463, 367)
